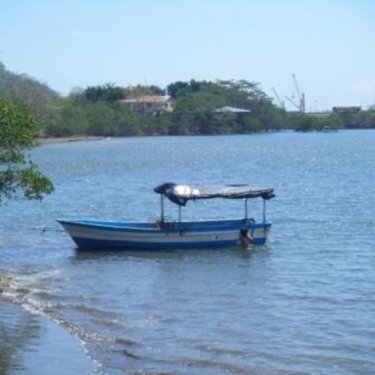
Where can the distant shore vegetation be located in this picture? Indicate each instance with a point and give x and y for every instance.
(182, 108)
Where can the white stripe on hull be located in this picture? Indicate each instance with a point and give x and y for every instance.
(158, 236)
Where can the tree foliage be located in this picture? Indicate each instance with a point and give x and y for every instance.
(196, 102)
(108, 92)
(306, 123)
(140, 90)
(361, 120)
(38, 98)
(17, 172)
(99, 110)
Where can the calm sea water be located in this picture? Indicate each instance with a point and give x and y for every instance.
(303, 304)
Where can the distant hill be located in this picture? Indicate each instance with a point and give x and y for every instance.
(27, 92)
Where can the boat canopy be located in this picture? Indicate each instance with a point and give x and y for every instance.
(181, 194)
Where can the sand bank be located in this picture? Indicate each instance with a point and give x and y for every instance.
(75, 138)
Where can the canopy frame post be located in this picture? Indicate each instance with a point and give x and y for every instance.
(264, 211)
(162, 208)
(179, 214)
(246, 210)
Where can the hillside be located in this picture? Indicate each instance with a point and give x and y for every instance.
(27, 92)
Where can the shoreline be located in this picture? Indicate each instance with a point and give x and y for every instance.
(33, 344)
(83, 138)
(73, 138)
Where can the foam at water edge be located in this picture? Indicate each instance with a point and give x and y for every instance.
(14, 290)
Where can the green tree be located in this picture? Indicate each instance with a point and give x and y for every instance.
(140, 90)
(108, 92)
(17, 172)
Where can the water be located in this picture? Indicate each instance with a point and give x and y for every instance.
(303, 304)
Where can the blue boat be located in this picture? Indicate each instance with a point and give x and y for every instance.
(91, 234)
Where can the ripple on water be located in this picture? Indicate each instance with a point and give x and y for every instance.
(303, 304)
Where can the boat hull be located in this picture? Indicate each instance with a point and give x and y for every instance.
(103, 235)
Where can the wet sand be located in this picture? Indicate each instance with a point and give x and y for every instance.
(30, 344)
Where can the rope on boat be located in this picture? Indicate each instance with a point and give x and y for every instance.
(46, 229)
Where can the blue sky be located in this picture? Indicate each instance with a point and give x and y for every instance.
(328, 45)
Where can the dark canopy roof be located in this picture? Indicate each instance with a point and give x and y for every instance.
(181, 194)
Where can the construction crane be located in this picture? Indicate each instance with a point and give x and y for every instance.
(301, 95)
(301, 105)
(290, 100)
(281, 103)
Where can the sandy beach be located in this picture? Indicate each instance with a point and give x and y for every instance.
(75, 138)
